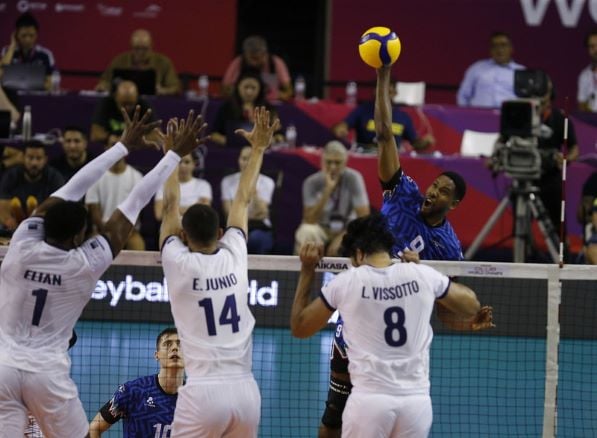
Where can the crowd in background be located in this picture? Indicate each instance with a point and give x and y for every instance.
(256, 77)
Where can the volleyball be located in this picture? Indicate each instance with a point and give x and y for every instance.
(379, 46)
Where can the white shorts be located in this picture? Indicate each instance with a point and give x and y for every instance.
(228, 408)
(381, 415)
(51, 398)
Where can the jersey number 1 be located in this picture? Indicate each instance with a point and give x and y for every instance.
(40, 301)
(228, 315)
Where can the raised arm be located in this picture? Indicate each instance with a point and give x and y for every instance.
(387, 152)
(259, 138)
(460, 310)
(133, 138)
(121, 222)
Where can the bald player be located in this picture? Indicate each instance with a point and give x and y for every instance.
(48, 275)
(142, 57)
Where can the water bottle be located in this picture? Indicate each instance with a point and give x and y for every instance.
(55, 82)
(26, 133)
(299, 88)
(291, 136)
(351, 93)
(203, 84)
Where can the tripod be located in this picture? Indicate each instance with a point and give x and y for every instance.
(527, 204)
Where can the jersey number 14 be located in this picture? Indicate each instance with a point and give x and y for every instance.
(228, 315)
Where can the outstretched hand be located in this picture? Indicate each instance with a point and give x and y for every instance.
(135, 130)
(183, 136)
(262, 133)
(483, 320)
(310, 254)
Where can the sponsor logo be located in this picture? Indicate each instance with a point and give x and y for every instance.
(151, 11)
(568, 11)
(329, 266)
(109, 11)
(150, 402)
(155, 292)
(69, 7)
(24, 6)
(485, 270)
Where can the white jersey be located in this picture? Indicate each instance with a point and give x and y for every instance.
(190, 192)
(43, 290)
(386, 313)
(208, 297)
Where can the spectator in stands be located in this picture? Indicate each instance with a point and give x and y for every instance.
(107, 116)
(109, 191)
(7, 105)
(361, 120)
(24, 187)
(130, 401)
(551, 141)
(142, 57)
(489, 82)
(261, 236)
(255, 56)
(331, 198)
(23, 47)
(237, 111)
(11, 156)
(587, 80)
(75, 156)
(192, 190)
(587, 216)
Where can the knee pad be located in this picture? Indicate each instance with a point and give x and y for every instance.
(334, 406)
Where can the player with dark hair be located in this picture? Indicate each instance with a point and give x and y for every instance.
(387, 307)
(48, 275)
(207, 279)
(420, 229)
(146, 405)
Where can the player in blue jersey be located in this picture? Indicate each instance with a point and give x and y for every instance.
(420, 229)
(146, 405)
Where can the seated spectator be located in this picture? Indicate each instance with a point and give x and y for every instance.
(261, 236)
(7, 105)
(237, 111)
(361, 120)
(489, 82)
(192, 190)
(142, 57)
(587, 80)
(24, 50)
(11, 156)
(109, 191)
(24, 187)
(255, 56)
(75, 156)
(107, 116)
(331, 198)
(587, 216)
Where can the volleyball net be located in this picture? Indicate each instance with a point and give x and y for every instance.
(532, 375)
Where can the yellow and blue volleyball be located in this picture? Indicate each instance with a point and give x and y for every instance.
(379, 46)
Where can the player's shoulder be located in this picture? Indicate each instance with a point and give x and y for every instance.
(142, 382)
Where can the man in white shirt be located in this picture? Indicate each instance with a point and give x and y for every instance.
(47, 277)
(386, 309)
(261, 236)
(587, 80)
(489, 82)
(109, 191)
(207, 280)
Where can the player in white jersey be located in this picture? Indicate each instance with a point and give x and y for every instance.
(386, 309)
(207, 283)
(47, 277)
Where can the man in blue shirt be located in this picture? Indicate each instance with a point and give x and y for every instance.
(146, 405)
(489, 82)
(361, 120)
(420, 229)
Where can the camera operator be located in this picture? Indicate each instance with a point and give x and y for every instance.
(550, 144)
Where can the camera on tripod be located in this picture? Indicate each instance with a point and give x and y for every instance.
(517, 152)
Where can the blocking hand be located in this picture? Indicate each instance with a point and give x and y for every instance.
(135, 130)
(262, 133)
(187, 135)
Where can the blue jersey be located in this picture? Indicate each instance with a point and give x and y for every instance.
(146, 410)
(402, 209)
